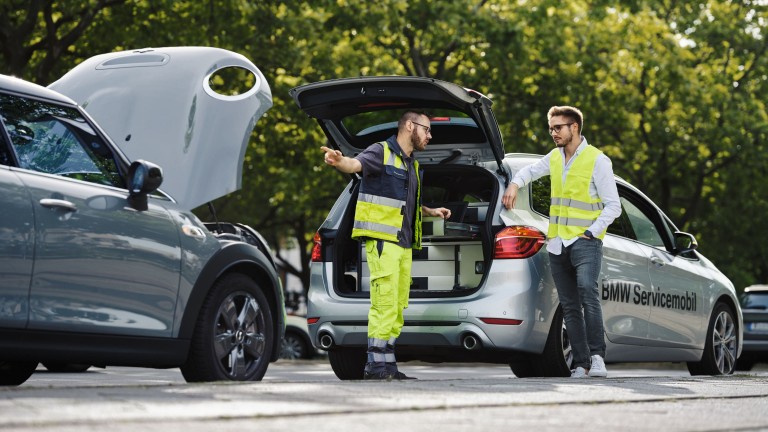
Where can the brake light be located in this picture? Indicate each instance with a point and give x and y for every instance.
(516, 242)
(501, 321)
(317, 249)
(313, 320)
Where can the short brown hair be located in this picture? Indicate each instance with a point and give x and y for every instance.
(411, 115)
(571, 113)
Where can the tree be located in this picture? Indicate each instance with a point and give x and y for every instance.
(673, 92)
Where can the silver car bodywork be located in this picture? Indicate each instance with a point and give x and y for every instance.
(474, 300)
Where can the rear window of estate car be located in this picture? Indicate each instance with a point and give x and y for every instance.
(447, 127)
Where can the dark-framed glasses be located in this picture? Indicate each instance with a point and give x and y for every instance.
(429, 129)
(556, 128)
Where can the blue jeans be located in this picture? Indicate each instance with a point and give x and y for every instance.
(575, 272)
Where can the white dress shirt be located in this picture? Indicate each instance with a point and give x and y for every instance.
(602, 186)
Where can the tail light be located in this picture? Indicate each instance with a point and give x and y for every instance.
(317, 249)
(516, 242)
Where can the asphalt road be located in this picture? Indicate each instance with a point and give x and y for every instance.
(305, 395)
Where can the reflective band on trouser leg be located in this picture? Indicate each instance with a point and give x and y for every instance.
(377, 357)
(385, 314)
(389, 351)
(389, 354)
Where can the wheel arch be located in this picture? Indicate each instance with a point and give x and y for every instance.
(301, 333)
(237, 257)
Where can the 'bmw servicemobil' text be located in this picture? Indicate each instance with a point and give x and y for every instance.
(626, 292)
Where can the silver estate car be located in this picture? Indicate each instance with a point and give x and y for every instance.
(100, 267)
(482, 289)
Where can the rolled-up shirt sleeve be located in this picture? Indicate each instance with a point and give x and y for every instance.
(605, 184)
(532, 172)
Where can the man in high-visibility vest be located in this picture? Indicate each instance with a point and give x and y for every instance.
(584, 202)
(387, 221)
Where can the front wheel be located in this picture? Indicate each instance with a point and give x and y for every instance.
(16, 373)
(719, 356)
(234, 334)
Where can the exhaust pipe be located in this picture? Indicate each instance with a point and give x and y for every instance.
(470, 342)
(326, 341)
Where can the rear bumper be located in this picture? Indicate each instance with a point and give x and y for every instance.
(436, 324)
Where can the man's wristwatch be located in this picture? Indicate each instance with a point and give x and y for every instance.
(589, 234)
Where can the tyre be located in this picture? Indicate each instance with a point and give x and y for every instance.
(719, 356)
(66, 367)
(234, 333)
(744, 364)
(348, 363)
(16, 373)
(294, 347)
(523, 368)
(555, 360)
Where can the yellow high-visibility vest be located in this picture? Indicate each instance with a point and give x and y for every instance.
(381, 202)
(572, 209)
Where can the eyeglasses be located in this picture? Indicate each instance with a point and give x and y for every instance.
(429, 129)
(556, 128)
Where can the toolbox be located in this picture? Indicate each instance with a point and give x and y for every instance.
(438, 227)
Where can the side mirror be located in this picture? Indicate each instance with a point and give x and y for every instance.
(684, 242)
(143, 178)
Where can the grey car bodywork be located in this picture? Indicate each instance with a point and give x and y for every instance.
(754, 304)
(89, 277)
(472, 299)
(159, 102)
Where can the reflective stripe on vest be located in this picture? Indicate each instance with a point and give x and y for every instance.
(581, 205)
(572, 209)
(381, 217)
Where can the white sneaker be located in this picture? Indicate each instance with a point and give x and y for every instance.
(598, 367)
(579, 372)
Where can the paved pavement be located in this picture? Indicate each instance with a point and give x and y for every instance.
(306, 395)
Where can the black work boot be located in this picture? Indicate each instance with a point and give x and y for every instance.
(391, 364)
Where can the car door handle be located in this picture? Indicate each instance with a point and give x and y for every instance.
(658, 262)
(53, 203)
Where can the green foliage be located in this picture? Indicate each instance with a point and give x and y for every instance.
(673, 92)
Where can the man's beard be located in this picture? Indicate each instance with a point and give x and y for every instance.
(416, 141)
(563, 142)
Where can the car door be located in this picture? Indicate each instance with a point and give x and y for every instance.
(623, 276)
(100, 266)
(16, 242)
(677, 283)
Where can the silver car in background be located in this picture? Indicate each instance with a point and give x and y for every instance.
(482, 289)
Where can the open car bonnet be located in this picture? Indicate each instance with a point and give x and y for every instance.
(356, 112)
(163, 105)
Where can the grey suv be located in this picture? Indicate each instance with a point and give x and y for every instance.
(100, 267)
(482, 289)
